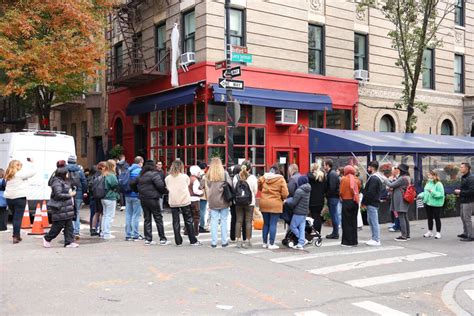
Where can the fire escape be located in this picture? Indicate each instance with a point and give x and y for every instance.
(126, 63)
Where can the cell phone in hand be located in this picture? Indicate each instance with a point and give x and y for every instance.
(28, 159)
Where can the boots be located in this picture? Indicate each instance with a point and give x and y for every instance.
(16, 239)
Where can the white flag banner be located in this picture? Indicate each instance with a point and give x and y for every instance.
(174, 55)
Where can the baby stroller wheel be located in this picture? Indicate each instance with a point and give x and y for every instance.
(318, 242)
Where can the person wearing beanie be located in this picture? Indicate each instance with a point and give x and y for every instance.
(300, 206)
(78, 181)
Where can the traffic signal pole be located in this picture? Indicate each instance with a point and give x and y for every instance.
(230, 119)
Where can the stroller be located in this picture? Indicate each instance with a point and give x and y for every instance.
(311, 235)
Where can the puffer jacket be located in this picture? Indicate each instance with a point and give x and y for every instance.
(293, 184)
(300, 201)
(61, 203)
(150, 186)
(274, 191)
(134, 173)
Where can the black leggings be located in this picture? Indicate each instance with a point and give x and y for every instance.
(315, 211)
(433, 212)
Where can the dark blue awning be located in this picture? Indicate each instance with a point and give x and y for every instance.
(276, 98)
(333, 141)
(163, 100)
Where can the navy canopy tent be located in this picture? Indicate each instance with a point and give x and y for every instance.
(332, 141)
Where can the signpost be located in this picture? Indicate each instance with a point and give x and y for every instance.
(234, 72)
(239, 49)
(221, 64)
(231, 84)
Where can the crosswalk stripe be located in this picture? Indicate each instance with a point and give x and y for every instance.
(310, 313)
(470, 293)
(379, 309)
(397, 277)
(332, 253)
(373, 263)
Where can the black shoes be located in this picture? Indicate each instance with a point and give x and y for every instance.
(203, 230)
(462, 235)
(331, 236)
(467, 239)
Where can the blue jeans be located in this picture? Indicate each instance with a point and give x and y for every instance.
(221, 214)
(373, 218)
(333, 211)
(202, 210)
(270, 221)
(133, 213)
(297, 226)
(108, 216)
(77, 223)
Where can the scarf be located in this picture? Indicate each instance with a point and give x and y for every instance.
(349, 172)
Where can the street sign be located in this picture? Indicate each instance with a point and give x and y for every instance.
(239, 49)
(221, 64)
(233, 84)
(234, 72)
(241, 58)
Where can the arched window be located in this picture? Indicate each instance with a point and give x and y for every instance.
(387, 124)
(447, 128)
(119, 131)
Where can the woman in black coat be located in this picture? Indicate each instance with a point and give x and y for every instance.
(317, 180)
(62, 208)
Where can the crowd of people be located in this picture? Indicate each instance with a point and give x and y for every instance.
(209, 195)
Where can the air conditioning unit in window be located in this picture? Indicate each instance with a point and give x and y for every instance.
(286, 117)
(187, 59)
(362, 75)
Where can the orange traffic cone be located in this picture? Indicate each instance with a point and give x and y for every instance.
(26, 221)
(38, 222)
(44, 215)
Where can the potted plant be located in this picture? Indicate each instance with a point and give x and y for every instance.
(386, 169)
(116, 151)
(452, 170)
(326, 217)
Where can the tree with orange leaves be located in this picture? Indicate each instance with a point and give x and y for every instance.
(50, 50)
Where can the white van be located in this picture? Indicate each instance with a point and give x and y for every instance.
(45, 148)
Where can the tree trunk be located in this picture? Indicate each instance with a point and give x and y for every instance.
(43, 100)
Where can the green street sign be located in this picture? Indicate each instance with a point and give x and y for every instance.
(241, 58)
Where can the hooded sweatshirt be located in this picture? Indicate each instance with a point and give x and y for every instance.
(436, 196)
(274, 191)
(195, 184)
(300, 201)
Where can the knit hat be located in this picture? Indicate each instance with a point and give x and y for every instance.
(72, 159)
(60, 163)
(302, 180)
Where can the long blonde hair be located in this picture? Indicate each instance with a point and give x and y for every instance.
(216, 170)
(13, 167)
(316, 171)
(176, 168)
(244, 174)
(109, 167)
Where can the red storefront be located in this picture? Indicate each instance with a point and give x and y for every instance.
(188, 122)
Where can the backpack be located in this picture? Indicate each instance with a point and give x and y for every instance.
(243, 194)
(75, 179)
(124, 181)
(98, 187)
(409, 195)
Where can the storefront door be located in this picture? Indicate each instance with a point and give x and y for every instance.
(286, 156)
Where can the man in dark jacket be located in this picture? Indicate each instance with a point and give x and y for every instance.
(293, 180)
(332, 196)
(78, 181)
(466, 197)
(371, 199)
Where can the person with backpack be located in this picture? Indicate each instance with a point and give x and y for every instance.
(98, 193)
(121, 166)
(77, 179)
(133, 207)
(16, 176)
(179, 199)
(216, 179)
(233, 173)
(433, 199)
(371, 199)
(398, 203)
(196, 193)
(274, 191)
(62, 209)
(245, 188)
(317, 180)
(3, 204)
(109, 201)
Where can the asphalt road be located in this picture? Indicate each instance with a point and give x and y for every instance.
(419, 277)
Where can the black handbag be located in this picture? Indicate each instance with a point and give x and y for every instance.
(228, 191)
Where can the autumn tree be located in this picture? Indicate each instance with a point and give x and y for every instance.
(416, 28)
(50, 50)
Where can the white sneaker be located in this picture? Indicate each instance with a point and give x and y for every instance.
(428, 234)
(265, 246)
(272, 247)
(72, 245)
(109, 237)
(373, 243)
(299, 247)
(46, 244)
(437, 236)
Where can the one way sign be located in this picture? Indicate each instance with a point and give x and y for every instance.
(233, 84)
(234, 72)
